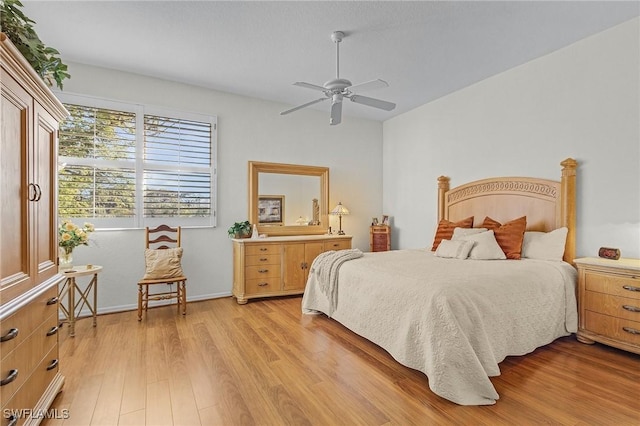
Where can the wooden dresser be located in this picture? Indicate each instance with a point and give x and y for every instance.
(380, 238)
(277, 266)
(609, 302)
(29, 275)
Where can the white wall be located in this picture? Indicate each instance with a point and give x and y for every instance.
(581, 101)
(248, 129)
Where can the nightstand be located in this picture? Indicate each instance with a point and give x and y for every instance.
(609, 302)
(380, 238)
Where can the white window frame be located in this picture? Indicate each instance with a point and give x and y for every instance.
(139, 221)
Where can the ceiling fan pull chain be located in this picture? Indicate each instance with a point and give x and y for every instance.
(338, 59)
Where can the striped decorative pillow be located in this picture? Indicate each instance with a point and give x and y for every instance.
(445, 230)
(509, 236)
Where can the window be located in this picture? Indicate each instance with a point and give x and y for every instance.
(130, 166)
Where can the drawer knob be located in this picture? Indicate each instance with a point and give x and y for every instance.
(263, 249)
(53, 364)
(53, 331)
(262, 271)
(52, 301)
(11, 334)
(631, 330)
(262, 284)
(13, 374)
(263, 259)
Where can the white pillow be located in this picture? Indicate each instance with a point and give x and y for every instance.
(486, 247)
(454, 249)
(463, 232)
(544, 245)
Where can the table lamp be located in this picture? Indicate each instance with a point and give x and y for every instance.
(340, 211)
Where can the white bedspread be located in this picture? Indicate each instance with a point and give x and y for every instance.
(454, 320)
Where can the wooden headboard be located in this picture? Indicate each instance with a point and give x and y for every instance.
(548, 204)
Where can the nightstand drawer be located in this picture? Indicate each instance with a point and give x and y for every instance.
(611, 283)
(615, 306)
(615, 328)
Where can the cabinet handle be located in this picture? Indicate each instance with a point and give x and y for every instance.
(302, 265)
(263, 249)
(263, 259)
(262, 271)
(53, 331)
(631, 330)
(35, 192)
(13, 420)
(631, 288)
(53, 364)
(11, 334)
(631, 308)
(262, 284)
(38, 193)
(13, 374)
(52, 301)
(336, 245)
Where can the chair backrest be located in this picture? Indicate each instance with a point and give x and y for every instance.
(157, 237)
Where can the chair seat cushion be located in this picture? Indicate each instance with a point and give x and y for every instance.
(161, 264)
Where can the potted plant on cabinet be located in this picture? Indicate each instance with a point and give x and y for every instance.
(19, 29)
(240, 230)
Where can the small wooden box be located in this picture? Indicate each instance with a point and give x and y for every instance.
(380, 238)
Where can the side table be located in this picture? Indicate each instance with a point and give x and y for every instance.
(71, 287)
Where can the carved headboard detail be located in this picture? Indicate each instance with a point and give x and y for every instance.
(548, 204)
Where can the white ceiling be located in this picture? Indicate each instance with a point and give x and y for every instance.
(423, 49)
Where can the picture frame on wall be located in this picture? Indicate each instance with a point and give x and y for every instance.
(271, 209)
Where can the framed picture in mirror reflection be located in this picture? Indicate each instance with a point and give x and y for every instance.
(271, 209)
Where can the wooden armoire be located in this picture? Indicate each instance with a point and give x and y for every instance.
(29, 278)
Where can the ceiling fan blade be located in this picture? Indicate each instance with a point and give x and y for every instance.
(303, 106)
(309, 86)
(336, 113)
(372, 102)
(369, 85)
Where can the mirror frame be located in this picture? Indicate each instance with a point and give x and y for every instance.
(257, 167)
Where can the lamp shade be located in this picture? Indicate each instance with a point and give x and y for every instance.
(340, 210)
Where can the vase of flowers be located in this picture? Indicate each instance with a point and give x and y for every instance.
(71, 236)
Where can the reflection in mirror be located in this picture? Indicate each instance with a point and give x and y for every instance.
(297, 204)
(288, 199)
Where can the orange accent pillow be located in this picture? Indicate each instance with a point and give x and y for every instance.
(445, 230)
(509, 236)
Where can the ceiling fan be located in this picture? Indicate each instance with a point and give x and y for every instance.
(341, 88)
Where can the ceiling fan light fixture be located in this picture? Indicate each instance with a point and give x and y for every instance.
(339, 88)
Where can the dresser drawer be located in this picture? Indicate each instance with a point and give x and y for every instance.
(615, 306)
(337, 245)
(612, 327)
(26, 318)
(258, 249)
(262, 259)
(37, 383)
(619, 285)
(262, 285)
(262, 271)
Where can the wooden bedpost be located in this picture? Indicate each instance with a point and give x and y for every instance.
(443, 187)
(568, 206)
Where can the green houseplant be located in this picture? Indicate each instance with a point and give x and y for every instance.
(240, 230)
(19, 29)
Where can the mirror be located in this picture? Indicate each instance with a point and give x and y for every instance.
(288, 199)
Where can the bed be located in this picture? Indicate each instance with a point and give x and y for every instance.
(456, 319)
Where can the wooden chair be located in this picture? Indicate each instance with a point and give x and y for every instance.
(162, 238)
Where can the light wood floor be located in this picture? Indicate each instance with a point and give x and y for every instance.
(265, 363)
